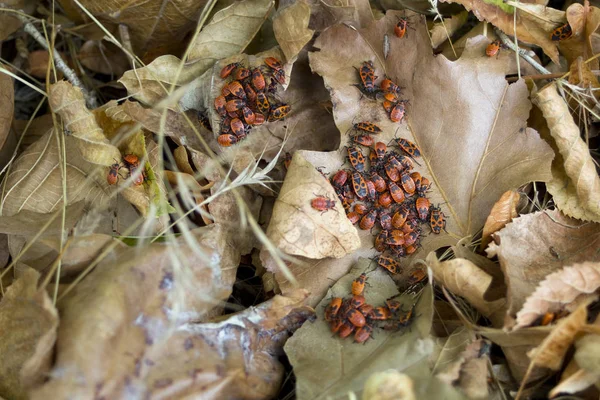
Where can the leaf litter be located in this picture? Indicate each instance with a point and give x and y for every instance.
(150, 255)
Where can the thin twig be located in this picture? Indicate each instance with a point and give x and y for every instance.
(524, 54)
(60, 63)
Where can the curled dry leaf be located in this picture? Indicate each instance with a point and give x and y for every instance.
(175, 283)
(68, 102)
(7, 97)
(559, 290)
(103, 57)
(35, 180)
(290, 26)
(155, 27)
(584, 21)
(29, 323)
(575, 186)
(297, 228)
(440, 32)
(502, 213)
(534, 22)
(550, 353)
(534, 245)
(465, 279)
(229, 32)
(151, 83)
(584, 369)
(327, 366)
(576, 382)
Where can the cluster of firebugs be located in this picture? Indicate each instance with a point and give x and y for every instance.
(354, 315)
(247, 99)
(131, 162)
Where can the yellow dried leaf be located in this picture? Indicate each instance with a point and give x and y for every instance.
(577, 192)
(298, 229)
(465, 279)
(550, 353)
(29, 322)
(560, 289)
(290, 26)
(502, 213)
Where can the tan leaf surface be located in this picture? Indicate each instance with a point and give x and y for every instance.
(229, 32)
(465, 279)
(326, 365)
(103, 57)
(27, 223)
(560, 289)
(326, 14)
(534, 245)
(502, 213)
(577, 382)
(38, 62)
(175, 284)
(29, 322)
(534, 22)
(8, 23)
(35, 180)
(550, 353)
(290, 26)
(7, 98)
(156, 27)
(298, 229)
(576, 186)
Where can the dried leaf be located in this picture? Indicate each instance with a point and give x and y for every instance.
(229, 32)
(175, 283)
(560, 289)
(38, 63)
(7, 98)
(27, 223)
(584, 21)
(103, 57)
(515, 345)
(576, 186)
(502, 213)
(587, 353)
(465, 279)
(550, 353)
(35, 180)
(290, 26)
(534, 245)
(325, 365)
(388, 385)
(534, 25)
(29, 322)
(298, 229)
(156, 27)
(443, 361)
(151, 83)
(68, 102)
(440, 32)
(576, 382)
